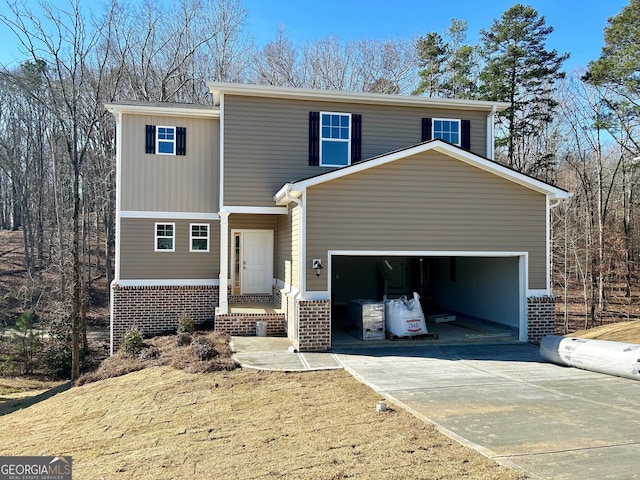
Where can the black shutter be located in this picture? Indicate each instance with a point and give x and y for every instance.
(426, 129)
(465, 134)
(356, 137)
(314, 139)
(181, 141)
(150, 139)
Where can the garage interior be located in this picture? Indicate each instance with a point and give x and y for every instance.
(481, 293)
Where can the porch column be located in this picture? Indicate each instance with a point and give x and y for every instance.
(223, 294)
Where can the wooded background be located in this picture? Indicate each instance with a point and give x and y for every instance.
(579, 131)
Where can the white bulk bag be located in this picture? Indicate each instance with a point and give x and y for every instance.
(405, 318)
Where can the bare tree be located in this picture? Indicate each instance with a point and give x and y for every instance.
(73, 77)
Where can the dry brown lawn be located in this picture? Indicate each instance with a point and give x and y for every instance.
(161, 422)
(627, 332)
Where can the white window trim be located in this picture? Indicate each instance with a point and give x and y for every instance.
(156, 237)
(457, 120)
(192, 238)
(175, 134)
(348, 142)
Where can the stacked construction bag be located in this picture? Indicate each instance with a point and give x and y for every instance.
(404, 318)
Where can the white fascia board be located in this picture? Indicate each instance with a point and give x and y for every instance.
(316, 295)
(167, 109)
(169, 215)
(426, 253)
(439, 146)
(539, 293)
(219, 88)
(256, 210)
(168, 283)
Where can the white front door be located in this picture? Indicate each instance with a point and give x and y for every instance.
(257, 261)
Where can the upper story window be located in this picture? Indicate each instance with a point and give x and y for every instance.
(165, 237)
(452, 130)
(447, 130)
(199, 241)
(335, 139)
(165, 140)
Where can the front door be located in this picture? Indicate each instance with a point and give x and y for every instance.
(257, 261)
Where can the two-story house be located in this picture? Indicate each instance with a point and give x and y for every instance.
(298, 200)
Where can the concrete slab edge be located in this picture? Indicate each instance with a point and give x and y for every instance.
(449, 433)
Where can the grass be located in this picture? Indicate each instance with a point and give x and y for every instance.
(161, 422)
(627, 332)
(175, 417)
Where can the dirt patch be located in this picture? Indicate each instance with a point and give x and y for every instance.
(165, 423)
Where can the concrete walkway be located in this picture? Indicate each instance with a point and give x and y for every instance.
(276, 353)
(503, 400)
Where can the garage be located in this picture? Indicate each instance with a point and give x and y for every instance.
(470, 236)
(484, 292)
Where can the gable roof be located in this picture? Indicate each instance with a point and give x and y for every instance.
(219, 88)
(295, 189)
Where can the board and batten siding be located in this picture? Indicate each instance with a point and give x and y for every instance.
(170, 183)
(266, 140)
(427, 202)
(139, 261)
(287, 241)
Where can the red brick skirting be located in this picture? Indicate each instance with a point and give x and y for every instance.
(245, 323)
(314, 325)
(156, 310)
(541, 316)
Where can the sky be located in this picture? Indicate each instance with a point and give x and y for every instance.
(578, 24)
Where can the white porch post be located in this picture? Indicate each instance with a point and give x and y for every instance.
(223, 296)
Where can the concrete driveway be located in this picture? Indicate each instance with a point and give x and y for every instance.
(507, 402)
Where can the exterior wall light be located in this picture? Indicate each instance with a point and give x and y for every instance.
(317, 266)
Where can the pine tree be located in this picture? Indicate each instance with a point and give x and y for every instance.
(432, 53)
(618, 72)
(520, 70)
(461, 68)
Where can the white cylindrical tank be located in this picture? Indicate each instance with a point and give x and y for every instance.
(612, 358)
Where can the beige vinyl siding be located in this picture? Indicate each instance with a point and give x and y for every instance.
(267, 140)
(295, 246)
(283, 249)
(139, 261)
(288, 247)
(170, 183)
(427, 202)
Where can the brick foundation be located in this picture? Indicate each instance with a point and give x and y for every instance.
(156, 310)
(314, 325)
(542, 317)
(245, 323)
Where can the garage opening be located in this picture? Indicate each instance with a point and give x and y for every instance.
(464, 298)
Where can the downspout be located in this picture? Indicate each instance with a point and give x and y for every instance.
(551, 204)
(301, 262)
(223, 277)
(491, 133)
(302, 245)
(116, 276)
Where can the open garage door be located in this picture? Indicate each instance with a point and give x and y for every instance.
(486, 293)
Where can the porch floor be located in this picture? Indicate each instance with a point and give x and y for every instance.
(257, 308)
